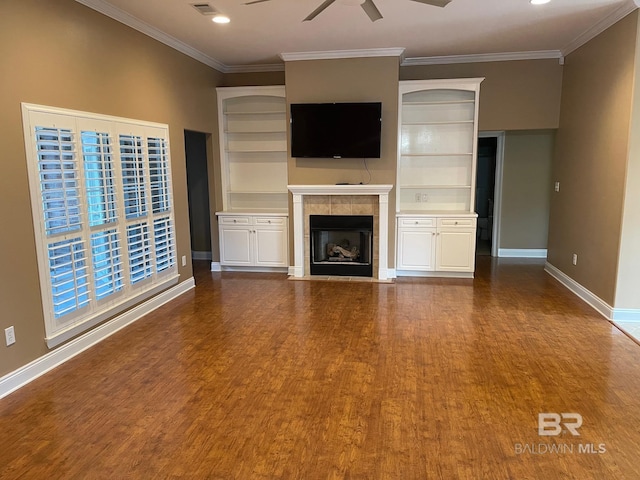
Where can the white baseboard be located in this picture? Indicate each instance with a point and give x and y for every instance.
(23, 375)
(200, 255)
(417, 273)
(588, 297)
(216, 267)
(291, 271)
(626, 315)
(522, 252)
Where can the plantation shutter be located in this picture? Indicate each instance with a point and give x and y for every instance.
(103, 214)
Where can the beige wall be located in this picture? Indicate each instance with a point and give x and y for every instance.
(515, 95)
(66, 55)
(253, 79)
(349, 80)
(524, 218)
(591, 157)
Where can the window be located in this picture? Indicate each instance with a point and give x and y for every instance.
(103, 214)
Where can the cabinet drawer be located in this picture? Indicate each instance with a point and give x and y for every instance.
(270, 220)
(417, 222)
(457, 222)
(225, 220)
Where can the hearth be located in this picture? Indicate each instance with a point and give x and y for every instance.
(341, 245)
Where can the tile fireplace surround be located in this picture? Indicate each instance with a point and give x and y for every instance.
(340, 200)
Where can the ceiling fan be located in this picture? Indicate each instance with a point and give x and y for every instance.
(367, 5)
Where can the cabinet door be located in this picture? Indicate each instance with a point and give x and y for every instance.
(271, 246)
(455, 250)
(416, 249)
(235, 246)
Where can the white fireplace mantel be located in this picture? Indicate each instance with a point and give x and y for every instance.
(381, 191)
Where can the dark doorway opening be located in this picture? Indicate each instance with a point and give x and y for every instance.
(485, 188)
(198, 192)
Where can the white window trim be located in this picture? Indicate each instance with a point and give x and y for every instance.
(100, 310)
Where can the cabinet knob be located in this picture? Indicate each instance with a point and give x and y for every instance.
(455, 223)
(416, 222)
(235, 221)
(269, 221)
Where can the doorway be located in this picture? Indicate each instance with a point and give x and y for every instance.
(488, 188)
(198, 194)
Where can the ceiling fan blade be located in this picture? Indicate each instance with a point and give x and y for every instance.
(370, 9)
(319, 10)
(435, 3)
(256, 1)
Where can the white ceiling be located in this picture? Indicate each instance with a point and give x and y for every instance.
(258, 33)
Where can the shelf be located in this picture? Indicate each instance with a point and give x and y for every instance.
(256, 151)
(435, 154)
(431, 187)
(437, 102)
(272, 112)
(254, 132)
(455, 122)
(255, 192)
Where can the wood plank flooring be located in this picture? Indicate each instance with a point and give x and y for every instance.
(253, 376)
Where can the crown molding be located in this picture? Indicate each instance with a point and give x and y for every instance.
(483, 57)
(267, 67)
(595, 30)
(337, 54)
(137, 24)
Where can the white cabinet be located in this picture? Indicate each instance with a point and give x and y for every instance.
(253, 148)
(258, 241)
(416, 244)
(436, 246)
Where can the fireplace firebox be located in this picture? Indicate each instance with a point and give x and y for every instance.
(341, 245)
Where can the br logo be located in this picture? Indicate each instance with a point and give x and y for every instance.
(550, 424)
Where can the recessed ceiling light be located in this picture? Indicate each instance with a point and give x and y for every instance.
(538, 2)
(221, 19)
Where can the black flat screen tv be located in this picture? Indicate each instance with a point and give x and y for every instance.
(336, 130)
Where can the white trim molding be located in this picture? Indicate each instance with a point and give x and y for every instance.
(588, 297)
(484, 57)
(216, 267)
(26, 374)
(257, 68)
(337, 54)
(522, 252)
(626, 315)
(595, 30)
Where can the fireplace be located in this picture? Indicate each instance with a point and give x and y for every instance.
(341, 245)
(335, 200)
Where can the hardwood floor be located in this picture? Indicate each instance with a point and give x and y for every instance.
(252, 376)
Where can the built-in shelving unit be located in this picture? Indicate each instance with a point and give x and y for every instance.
(253, 148)
(437, 143)
(253, 225)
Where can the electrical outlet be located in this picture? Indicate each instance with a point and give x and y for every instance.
(557, 186)
(425, 197)
(574, 259)
(184, 260)
(418, 198)
(10, 335)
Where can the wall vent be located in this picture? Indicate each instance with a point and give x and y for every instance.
(204, 8)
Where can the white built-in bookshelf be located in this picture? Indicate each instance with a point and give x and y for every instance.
(437, 145)
(253, 148)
